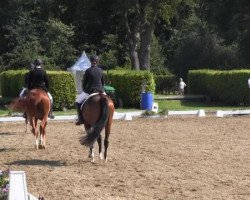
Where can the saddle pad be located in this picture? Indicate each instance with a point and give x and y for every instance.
(93, 94)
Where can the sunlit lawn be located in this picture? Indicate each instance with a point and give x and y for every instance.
(163, 105)
(194, 105)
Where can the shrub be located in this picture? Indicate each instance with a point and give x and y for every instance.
(128, 85)
(226, 86)
(62, 86)
(165, 83)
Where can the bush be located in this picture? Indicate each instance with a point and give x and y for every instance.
(225, 86)
(62, 86)
(165, 84)
(128, 85)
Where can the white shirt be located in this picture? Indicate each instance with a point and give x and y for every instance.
(182, 85)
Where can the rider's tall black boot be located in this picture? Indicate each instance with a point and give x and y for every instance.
(51, 115)
(79, 121)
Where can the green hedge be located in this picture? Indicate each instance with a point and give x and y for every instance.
(165, 84)
(12, 82)
(128, 85)
(62, 86)
(226, 86)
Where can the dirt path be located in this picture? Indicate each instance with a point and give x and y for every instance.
(173, 158)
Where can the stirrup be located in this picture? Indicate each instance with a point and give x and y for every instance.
(24, 115)
(51, 116)
(79, 122)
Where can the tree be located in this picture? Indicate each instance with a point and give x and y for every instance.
(19, 39)
(139, 19)
(57, 40)
(230, 20)
(28, 32)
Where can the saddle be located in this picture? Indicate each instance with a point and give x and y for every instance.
(91, 95)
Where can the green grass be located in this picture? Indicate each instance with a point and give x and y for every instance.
(193, 105)
(164, 105)
(5, 112)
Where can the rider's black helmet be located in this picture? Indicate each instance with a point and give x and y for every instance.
(94, 58)
(32, 66)
(37, 62)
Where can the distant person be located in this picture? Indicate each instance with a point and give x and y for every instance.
(182, 86)
(248, 82)
(93, 81)
(38, 79)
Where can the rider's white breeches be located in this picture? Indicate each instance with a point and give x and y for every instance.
(50, 97)
(22, 92)
(81, 97)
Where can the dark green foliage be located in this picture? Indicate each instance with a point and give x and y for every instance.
(62, 86)
(165, 84)
(128, 85)
(175, 35)
(57, 44)
(63, 89)
(157, 57)
(225, 86)
(196, 47)
(26, 33)
(12, 82)
(244, 46)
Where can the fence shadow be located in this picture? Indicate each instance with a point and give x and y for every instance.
(37, 162)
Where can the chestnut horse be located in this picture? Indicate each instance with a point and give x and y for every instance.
(36, 105)
(97, 112)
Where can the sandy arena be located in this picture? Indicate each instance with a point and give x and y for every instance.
(175, 158)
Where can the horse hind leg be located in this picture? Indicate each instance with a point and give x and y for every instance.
(106, 144)
(106, 139)
(26, 123)
(99, 140)
(42, 136)
(91, 153)
(34, 131)
(91, 150)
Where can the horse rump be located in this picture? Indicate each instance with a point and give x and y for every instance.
(94, 132)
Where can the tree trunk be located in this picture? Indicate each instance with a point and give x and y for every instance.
(131, 30)
(133, 52)
(144, 52)
(146, 30)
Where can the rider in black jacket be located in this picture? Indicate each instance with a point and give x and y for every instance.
(38, 78)
(93, 82)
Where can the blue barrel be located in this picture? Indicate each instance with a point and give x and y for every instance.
(146, 101)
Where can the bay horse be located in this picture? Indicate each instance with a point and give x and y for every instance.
(97, 112)
(36, 104)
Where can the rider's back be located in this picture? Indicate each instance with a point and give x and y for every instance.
(93, 80)
(38, 79)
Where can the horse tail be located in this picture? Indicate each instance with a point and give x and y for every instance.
(18, 104)
(94, 133)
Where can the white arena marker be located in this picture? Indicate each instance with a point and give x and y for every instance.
(219, 113)
(232, 112)
(199, 113)
(127, 116)
(155, 107)
(18, 186)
